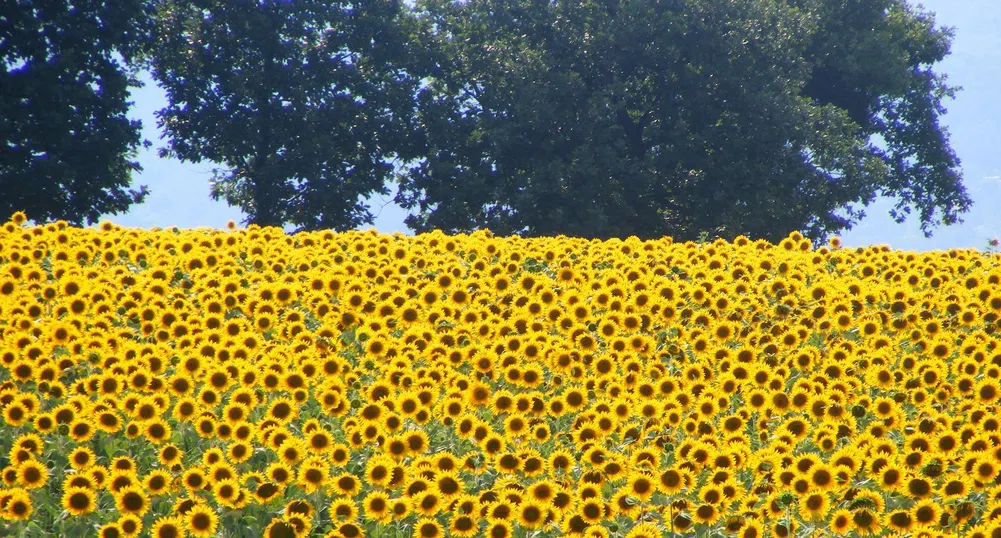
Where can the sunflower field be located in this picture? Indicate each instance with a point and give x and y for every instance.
(240, 383)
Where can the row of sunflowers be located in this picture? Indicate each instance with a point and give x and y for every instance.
(245, 382)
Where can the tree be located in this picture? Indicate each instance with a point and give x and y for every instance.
(611, 118)
(301, 101)
(69, 148)
(873, 59)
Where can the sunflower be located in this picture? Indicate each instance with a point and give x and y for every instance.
(131, 525)
(345, 530)
(681, 522)
(345, 484)
(44, 423)
(428, 528)
(30, 443)
(185, 408)
(892, 477)
(508, 463)
(99, 475)
(201, 521)
(591, 510)
(339, 454)
(900, 520)
(158, 482)
(641, 486)
(18, 505)
(987, 391)
(378, 470)
(9, 476)
(532, 514)
(498, 529)
(79, 480)
(283, 410)
(131, 500)
(239, 451)
(561, 460)
(449, 484)
(758, 399)
(79, 501)
(502, 509)
(300, 507)
(15, 413)
(227, 492)
(417, 442)
(194, 479)
(221, 470)
(821, 477)
(291, 451)
(205, 427)
(979, 531)
(399, 508)
(919, 488)
(955, 487)
(428, 502)
(319, 442)
(343, 509)
(266, 491)
(623, 503)
(279, 473)
(32, 474)
(814, 506)
(946, 441)
(925, 513)
(110, 530)
(492, 445)
(285, 527)
(313, 473)
(641, 530)
(841, 521)
(986, 470)
(750, 529)
(81, 458)
(396, 447)
(157, 431)
(376, 507)
(543, 491)
(672, 481)
(711, 494)
(707, 514)
(865, 522)
(867, 499)
(784, 528)
(462, 525)
(123, 463)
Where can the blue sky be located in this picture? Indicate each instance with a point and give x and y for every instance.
(180, 191)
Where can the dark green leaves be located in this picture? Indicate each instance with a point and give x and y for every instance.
(597, 118)
(301, 101)
(68, 146)
(678, 117)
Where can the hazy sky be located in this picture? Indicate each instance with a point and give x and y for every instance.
(180, 191)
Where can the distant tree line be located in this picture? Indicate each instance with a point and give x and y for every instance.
(595, 118)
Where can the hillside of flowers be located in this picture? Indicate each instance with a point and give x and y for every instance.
(245, 382)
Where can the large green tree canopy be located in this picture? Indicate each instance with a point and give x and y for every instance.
(301, 101)
(609, 118)
(67, 146)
